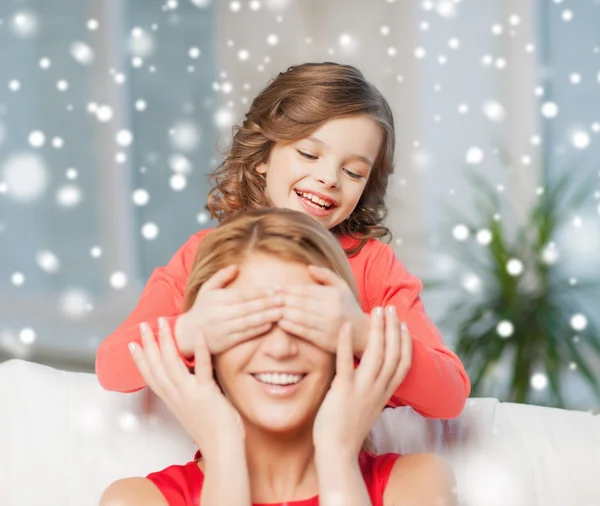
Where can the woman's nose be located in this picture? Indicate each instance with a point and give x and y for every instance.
(279, 344)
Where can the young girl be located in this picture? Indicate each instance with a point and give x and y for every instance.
(278, 419)
(318, 139)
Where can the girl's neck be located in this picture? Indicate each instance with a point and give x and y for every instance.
(281, 468)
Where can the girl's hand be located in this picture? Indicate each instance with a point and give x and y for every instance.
(357, 396)
(194, 398)
(226, 316)
(317, 312)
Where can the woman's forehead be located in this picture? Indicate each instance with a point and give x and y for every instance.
(260, 269)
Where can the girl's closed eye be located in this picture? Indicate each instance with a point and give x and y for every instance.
(310, 157)
(353, 175)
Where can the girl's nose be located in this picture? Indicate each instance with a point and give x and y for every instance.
(327, 176)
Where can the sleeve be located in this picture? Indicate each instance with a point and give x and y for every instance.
(376, 471)
(162, 296)
(437, 385)
(179, 485)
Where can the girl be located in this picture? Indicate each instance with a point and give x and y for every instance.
(318, 139)
(281, 421)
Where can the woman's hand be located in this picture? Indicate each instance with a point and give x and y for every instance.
(317, 312)
(357, 396)
(194, 398)
(226, 316)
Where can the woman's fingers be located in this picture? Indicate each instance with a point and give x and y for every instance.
(344, 368)
(149, 362)
(139, 358)
(372, 359)
(405, 362)
(174, 365)
(202, 361)
(392, 346)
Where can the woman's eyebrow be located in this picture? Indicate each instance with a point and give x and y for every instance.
(351, 157)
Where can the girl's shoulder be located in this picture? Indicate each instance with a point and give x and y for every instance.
(373, 247)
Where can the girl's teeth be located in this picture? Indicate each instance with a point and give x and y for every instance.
(316, 199)
(278, 379)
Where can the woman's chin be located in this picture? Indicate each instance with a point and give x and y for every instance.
(281, 419)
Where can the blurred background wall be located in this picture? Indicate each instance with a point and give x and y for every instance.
(113, 112)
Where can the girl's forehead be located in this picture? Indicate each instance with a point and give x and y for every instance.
(359, 133)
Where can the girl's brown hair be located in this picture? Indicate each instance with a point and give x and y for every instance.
(293, 106)
(284, 233)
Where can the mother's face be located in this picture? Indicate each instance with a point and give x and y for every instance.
(276, 381)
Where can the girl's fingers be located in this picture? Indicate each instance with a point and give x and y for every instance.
(344, 362)
(249, 333)
(310, 303)
(234, 309)
(202, 361)
(315, 336)
(325, 276)
(221, 278)
(304, 318)
(370, 363)
(392, 357)
(174, 365)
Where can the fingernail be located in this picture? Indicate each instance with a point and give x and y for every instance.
(404, 327)
(378, 311)
(144, 327)
(391, 310)
(132, 347)
(162, 322)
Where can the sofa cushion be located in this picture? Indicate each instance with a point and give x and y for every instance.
(63, 439)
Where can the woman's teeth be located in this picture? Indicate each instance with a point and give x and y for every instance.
(315, 199)
(278, 379)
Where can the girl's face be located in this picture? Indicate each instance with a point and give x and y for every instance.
(275, 381)
(325, 174)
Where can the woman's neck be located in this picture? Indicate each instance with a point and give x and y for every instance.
(281, 468)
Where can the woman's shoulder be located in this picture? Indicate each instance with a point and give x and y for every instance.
(376, 471)
(179, 484)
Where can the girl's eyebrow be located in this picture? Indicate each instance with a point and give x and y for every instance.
(351, 157)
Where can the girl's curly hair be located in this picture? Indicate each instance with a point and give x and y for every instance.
(293, 106)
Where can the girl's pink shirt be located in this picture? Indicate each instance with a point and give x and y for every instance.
(436, 386)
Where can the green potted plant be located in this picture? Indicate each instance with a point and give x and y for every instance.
(524, 310)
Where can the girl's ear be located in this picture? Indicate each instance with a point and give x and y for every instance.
(261, 168)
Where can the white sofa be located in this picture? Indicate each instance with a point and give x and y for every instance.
(63, 439)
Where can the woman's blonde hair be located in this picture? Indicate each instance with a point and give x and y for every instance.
(284, 233)
(291, 107)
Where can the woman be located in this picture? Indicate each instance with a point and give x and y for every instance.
(277, 419)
